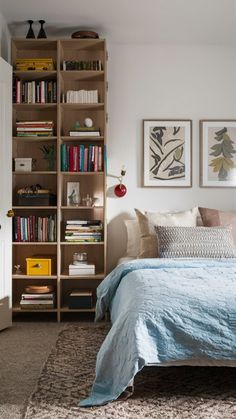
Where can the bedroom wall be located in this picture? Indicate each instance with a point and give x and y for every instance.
(5, 39)
(163, 81)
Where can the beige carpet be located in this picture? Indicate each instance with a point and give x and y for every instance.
(161, 393)
(24, 349)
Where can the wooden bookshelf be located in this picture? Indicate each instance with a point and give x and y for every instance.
(64, 116)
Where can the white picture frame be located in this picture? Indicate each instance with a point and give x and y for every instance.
(167, 153)
(73, 194)
(218, 153)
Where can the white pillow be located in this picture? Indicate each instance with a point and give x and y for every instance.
(147, 221)
(133, 238)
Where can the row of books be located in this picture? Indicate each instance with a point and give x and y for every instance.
(83, 231)
(39, 91)
(37, 301)
(85, 132)
(34, 228)
(34, 128)
(81, 269)
(34, 64)
(95, 65)
(81, 96)
(82, 158)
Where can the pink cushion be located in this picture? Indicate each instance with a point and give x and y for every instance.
(213, 218)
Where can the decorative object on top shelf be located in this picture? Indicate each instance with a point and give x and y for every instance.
(89, 201)
(88, 122)
(73, 193)
(49, 154)
(218, 153)
(167, 153)
(30, 33)
(18, 270)
(42, 33)
(85, 34)
(120, 189)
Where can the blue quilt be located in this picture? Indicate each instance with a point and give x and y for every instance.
(162, 311)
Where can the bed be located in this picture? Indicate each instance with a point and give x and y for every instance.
(164, 312)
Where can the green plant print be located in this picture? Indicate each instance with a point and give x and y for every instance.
(223, 152)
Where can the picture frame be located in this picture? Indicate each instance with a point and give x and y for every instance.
(218, 153)
(167, 152)
(73, 194)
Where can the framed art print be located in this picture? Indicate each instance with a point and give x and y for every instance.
(72, 193)
(218, 153)
(167, 153)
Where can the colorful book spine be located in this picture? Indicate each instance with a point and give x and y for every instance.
(82, 158)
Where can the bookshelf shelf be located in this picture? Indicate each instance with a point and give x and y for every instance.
(66, 309)
(30, 75)
(63, 118)
(73, 75)
(36, 139)
(78, 106)
(67, 138)
(34, 106)
(81, 207)
(34, 243)
(48, 207)
(36, 172)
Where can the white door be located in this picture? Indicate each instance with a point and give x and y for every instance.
(5, 194)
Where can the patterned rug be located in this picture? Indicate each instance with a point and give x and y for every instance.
(160, 393)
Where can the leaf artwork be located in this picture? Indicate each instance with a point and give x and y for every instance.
(167, 153)
(223, 152)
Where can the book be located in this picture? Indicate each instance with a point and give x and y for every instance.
(84, 133)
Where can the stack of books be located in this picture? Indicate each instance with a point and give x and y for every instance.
(37, 297)
(39, 91)
(81, 269)
(34, 228)
(95, 65)
(85, 132)
(82, 96)
(82, 158)
(37, 64)
(83, 231)
(34, 128)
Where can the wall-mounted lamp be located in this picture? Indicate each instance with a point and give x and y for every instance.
(120, 189)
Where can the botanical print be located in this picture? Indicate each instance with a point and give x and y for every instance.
(167, 153)
(218, 141)
(223, 151)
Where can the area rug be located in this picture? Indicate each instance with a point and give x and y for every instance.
(160, 393)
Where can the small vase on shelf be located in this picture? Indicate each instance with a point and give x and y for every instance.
(42, 33)
(30, 33)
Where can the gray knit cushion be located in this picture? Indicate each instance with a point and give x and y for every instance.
(197, 242)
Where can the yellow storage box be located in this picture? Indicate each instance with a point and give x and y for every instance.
(39, 266)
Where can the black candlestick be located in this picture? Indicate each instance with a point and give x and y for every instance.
(30, 33)
(42, 33)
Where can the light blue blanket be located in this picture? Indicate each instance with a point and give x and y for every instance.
(162, 311)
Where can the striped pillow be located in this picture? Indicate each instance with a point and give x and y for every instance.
(196, 242)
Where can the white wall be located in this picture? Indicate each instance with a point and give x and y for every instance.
(5, 39)
(150, 81)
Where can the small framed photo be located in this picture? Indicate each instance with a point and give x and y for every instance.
(72, 193)
(218, 153)
(167, 153)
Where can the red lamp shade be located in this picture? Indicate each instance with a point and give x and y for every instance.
(120, 190)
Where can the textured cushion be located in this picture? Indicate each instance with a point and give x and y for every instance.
(147, 221)
(213, 218)
(203, 242)
(133, 238)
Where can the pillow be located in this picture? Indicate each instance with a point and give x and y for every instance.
(203, 242)
(213, 218)
(147, 221)
(133, 238)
